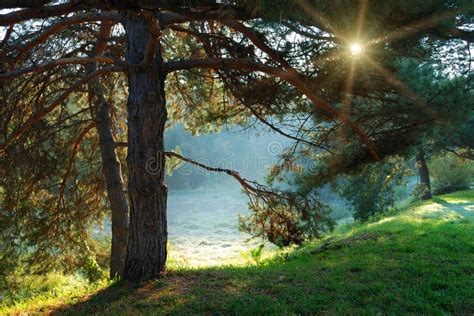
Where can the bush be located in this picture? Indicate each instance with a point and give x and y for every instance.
(450, 173)
(287, 218)
(92, 270)
(254, 255)
(373, 189)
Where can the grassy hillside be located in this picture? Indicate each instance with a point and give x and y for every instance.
(420, 260)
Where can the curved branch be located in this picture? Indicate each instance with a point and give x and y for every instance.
(36, 117)
(62, 61)
(40, 12)
(292, 77)
(281, 132)
(75, 149)
(248, 185)
(258, 42)
(62, 24)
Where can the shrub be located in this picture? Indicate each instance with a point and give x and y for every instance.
(92, 269)
(373, 189)
(286, 219)
(450, 173)
(254, 255)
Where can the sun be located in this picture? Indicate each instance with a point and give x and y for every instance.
(356, 49)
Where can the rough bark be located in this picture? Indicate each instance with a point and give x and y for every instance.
(115, 186)
(146, 254)
(110, 163)
(424, 174)
(115, 189)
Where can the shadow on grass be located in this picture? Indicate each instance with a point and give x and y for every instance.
(98, 300)
(394, 267)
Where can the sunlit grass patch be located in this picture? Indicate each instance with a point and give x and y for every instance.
(42, 292)
(459, 197)
(249, 255)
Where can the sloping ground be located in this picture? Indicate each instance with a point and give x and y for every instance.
(418, 261)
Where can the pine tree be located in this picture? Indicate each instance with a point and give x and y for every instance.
(218, 61)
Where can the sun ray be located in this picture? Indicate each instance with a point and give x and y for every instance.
(423, 24)
(402, 88)
(361, 18)
(323, 23)
(348, 89)
(347, 96)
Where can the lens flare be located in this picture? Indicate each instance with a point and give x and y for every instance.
(356, 49)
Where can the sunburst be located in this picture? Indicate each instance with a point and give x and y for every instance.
(358, 48)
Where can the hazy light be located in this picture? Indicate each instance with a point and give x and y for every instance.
(356, 49)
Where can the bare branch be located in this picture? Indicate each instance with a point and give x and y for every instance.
(72, 159)
(281, 132)
(249, 186)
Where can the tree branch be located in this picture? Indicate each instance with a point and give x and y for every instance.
(281, 132)
(170, 18)
(40, 12)
(62, 24)
(8, 33)
(62, 61)
(75, 149)
(214, 10)
(249, 186)
(292, 77)
(36, 117)
(13, 4)
(258, 42)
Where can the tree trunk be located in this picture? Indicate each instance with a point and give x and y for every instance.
(113, 178)
(146, 253)
(424, 174)
(115, 188)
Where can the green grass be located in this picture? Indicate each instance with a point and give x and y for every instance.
(41, 292)
(419, 260)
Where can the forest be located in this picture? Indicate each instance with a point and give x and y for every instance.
(236, 157)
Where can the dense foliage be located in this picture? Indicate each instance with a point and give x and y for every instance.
(451, 173)
(373, 189)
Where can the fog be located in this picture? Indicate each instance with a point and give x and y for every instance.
(203, 206)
